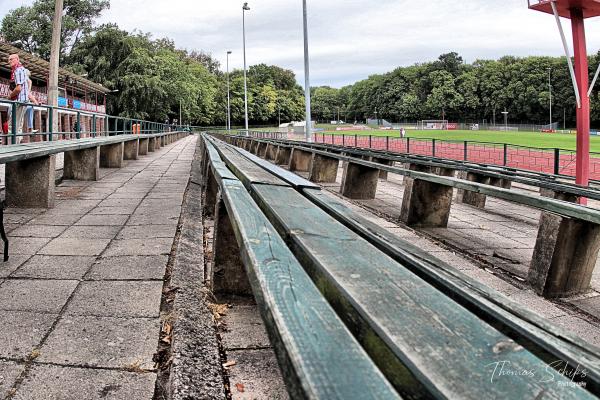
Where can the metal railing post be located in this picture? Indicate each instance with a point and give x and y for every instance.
(13, 120)
(466, 157)
(94, 125)
(387, 143)
(556, 161)
(408, 145)
(505, 154)
(369, 141)
(78, 129)
(50, 123)
(433, 147)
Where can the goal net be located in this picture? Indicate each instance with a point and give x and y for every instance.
(433, 124)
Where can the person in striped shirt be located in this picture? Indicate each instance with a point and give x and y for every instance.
(20, 93)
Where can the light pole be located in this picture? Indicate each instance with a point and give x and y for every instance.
(550, 91)
(54, 63)
(228, 104)
(308, 128)
(244, 9)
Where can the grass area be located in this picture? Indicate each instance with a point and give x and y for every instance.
(530, 139)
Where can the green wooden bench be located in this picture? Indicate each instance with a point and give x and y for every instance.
(425, 342)
(568, 239)
(319, 358)
(30, 167)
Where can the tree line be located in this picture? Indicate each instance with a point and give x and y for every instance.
(451, 89)
(153, 79)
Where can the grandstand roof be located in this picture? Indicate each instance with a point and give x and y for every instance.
(40, 69)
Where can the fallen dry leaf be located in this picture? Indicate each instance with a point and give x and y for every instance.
(239, 387)
(229, 364)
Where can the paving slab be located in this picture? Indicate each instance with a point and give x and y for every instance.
(9, 372)
(153, 219)
(102, 342)
(22, 331)
(75, 247)
(113, 201)
(591, 305)
(102, 220)
(38, 231)
(26, 245)
(91, 232)
(129, 268)
(149, 231)
(14, 262)
(139, 247)
(255, 376)
(244, 329)
(50, 382)
(118, 299)
(55, 219)
(55, 267)
(47, 296)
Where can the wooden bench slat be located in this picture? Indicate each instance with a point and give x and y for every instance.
(246, 171)
(291, 178)
(399, 318)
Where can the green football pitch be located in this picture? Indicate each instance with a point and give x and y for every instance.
(529, 139)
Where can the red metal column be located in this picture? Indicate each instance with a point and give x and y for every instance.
(583, 113)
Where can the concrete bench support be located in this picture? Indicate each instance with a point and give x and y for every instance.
(565, 254)
(300, 160)
(31, 183)
(163, 141)
(472, 198)
(323, 169)
(477, 199)
(151, 144)
(254, 147)
(143, 146)
(82, 165)
(426, 204)
(131, 149)
(158, 143)
(383, 175)
(282, 156)
(111, 155)
(271, 152)
(261, 149)
(211, 191)
(359, 182)
(228, 274)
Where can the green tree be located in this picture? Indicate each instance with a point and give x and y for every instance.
(30, 27)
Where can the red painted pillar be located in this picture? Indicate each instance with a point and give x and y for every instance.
(583, 113)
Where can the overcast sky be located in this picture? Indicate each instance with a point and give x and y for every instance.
(349, 39)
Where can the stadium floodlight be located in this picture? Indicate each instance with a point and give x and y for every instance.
(228, 103)
(244, 9)
(308, 127)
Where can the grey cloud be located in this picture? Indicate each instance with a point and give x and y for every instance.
(349, 39)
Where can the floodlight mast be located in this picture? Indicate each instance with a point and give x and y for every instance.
(577, 11)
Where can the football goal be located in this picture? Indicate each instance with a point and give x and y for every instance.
(433, 124)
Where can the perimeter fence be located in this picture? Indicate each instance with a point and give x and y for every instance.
(554, 161)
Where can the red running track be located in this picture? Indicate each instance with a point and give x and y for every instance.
(531, 159)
